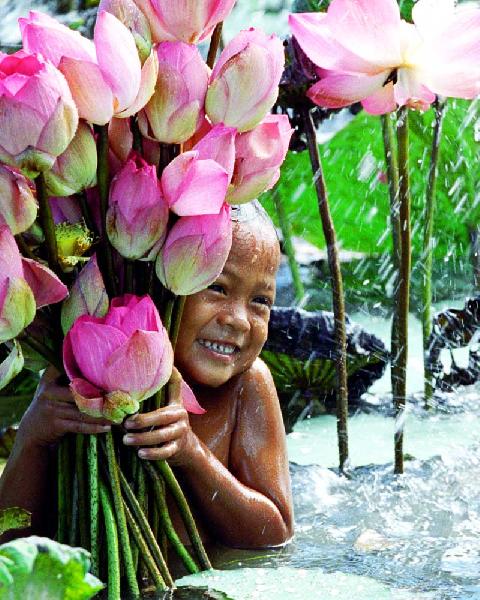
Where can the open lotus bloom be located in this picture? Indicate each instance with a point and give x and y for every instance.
(38, 117)
(366, 53)
(188, 21)
(194, 186)
(25, 285)
(244, 82)
(137, 214)
(259, 154)
(18, 207)
(117, 361)
(195, 252)
(105, 76)
(175, 111)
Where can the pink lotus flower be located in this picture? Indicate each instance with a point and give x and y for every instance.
(137, 215)
(188, 21)
(117, 361)
(128, 13)
(88, 296)
(175, 110)
(195, 252)
(76, 168)
(244, 82)
(219, 145)
(367, 54)
(105, 76)
(38, 117)
(193, 186)
(18, 207)
(259, 154)
(25, 285)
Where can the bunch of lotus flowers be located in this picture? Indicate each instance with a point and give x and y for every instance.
(119, 158)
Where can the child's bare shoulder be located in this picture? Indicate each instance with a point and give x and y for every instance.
(257, 394)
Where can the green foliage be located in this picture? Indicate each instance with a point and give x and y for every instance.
(353, 160)
(14, 518)
(37, 567)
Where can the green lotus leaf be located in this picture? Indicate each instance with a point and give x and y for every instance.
(37, 567)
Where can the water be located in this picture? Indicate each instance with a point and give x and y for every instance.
(376, 535)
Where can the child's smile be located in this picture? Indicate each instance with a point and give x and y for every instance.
(225, 326)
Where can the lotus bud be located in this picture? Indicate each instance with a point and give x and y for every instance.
(219, 145)
(12, 365)
(244, 83)
(184, 20)
(25, 285)
(195, 252)
(18, 207)
(76, 168)
(175, 111)
(128, 13)
(259, 154)
(87, 296)
(137, 214)
(38, 117)
(117, 361)
(192, 186)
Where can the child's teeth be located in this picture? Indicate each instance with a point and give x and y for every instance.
(220, 348)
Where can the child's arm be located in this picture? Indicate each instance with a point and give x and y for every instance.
(24, 481)
(248, 505)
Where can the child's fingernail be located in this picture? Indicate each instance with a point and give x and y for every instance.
(142, 453)
(106, 428)
(129, 423)
(128, 439)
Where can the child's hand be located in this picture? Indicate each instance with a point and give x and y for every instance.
(53, 413)
(168, 434)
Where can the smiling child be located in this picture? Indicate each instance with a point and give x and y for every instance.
(231, 460)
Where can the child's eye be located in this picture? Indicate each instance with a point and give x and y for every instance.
(216, 287)
(264, 300)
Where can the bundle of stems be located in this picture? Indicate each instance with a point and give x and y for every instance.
(109, 501)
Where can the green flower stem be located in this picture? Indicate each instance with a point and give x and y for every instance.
(42, 349)
(86, 214)
(146, 532)
(430, 202)
(73, 525)
(145, 551)
(113, 552)
(167, 522)
(166, 472)
(391, 161)
(82, 489)
(23, 247)
(48, 225)
(214, 44)
(113, 472)
(288, 245)
(337, 288)
(177, 319)
(399, 367)
(142, 496)
(63, 491)
(137, 136)
(92, 461)
(129, 271)
(103, 183)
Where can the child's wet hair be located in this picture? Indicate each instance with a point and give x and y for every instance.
(252, 211)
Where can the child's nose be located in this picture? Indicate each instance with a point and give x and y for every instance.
(235, 316)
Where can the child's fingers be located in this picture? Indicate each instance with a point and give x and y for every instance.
(156, 436)
(155, 418)
(58, 393)
(161, 453)
(68, 426)
(71, 412)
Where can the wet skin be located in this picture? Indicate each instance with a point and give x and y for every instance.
(232, 459)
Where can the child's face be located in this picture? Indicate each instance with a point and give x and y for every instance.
(225, 326)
